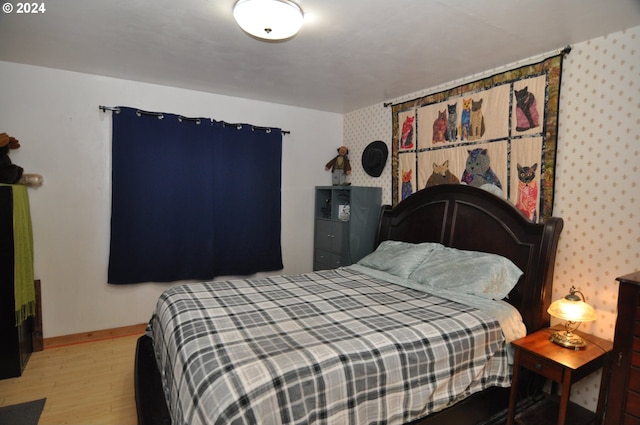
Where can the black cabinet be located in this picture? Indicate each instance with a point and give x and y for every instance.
(346, 220)
(17, 345)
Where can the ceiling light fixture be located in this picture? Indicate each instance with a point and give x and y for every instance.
(269, 19)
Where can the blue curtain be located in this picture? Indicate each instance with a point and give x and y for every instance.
(192, 199)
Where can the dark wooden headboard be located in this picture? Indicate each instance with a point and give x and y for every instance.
(465, 217)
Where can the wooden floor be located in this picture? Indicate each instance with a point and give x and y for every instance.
(84, 384)
(91, 383)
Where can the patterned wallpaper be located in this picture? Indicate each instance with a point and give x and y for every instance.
(597, 189)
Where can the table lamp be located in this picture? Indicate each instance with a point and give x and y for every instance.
(574, 310)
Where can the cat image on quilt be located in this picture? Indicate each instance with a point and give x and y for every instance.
(406, 141)
(478, 169)
(527, 191)
(477, 120)
(440, 127)
(407, 187)
(452, 123)
(465, 119)
(441, 175)
(526, 110)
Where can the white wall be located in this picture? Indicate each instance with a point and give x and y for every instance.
(67, 139)
(597, 173)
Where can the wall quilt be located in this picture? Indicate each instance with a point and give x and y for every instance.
(498, 133)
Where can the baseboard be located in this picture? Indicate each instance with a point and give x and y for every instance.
(84, 337)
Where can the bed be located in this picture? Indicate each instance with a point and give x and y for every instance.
(360, 344)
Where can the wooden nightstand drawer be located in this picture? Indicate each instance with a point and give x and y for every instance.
(541, 366)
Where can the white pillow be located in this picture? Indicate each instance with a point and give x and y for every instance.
(399, 258)
(478, 273)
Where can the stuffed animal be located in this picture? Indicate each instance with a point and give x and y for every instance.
(340, 167)
(9, 173)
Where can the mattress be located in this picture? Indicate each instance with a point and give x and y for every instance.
(330, 347)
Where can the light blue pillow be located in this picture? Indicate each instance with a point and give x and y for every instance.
(478, 273)
(399, 258)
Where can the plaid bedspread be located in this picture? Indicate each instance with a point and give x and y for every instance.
(331, 347)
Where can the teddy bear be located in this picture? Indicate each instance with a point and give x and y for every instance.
(340, 167)
(9, 173)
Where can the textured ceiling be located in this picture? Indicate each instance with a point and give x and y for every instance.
(350, 53)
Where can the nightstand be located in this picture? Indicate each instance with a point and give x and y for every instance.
(561, 365)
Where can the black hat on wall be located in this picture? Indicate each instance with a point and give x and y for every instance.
(374, 158)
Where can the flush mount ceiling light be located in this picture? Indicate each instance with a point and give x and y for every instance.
(269, 19)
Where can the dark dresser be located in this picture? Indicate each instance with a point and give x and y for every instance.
(623, 401)
(17, 344)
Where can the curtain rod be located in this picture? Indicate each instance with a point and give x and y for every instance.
(564, 51)
(160, 115)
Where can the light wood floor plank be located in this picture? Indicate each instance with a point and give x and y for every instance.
(84, 384)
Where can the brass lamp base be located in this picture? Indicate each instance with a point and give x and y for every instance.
(568, 340)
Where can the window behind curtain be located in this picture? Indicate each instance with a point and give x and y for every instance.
(192, 201)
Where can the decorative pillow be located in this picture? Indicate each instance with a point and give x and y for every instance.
(477, 273)
(399, 258)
